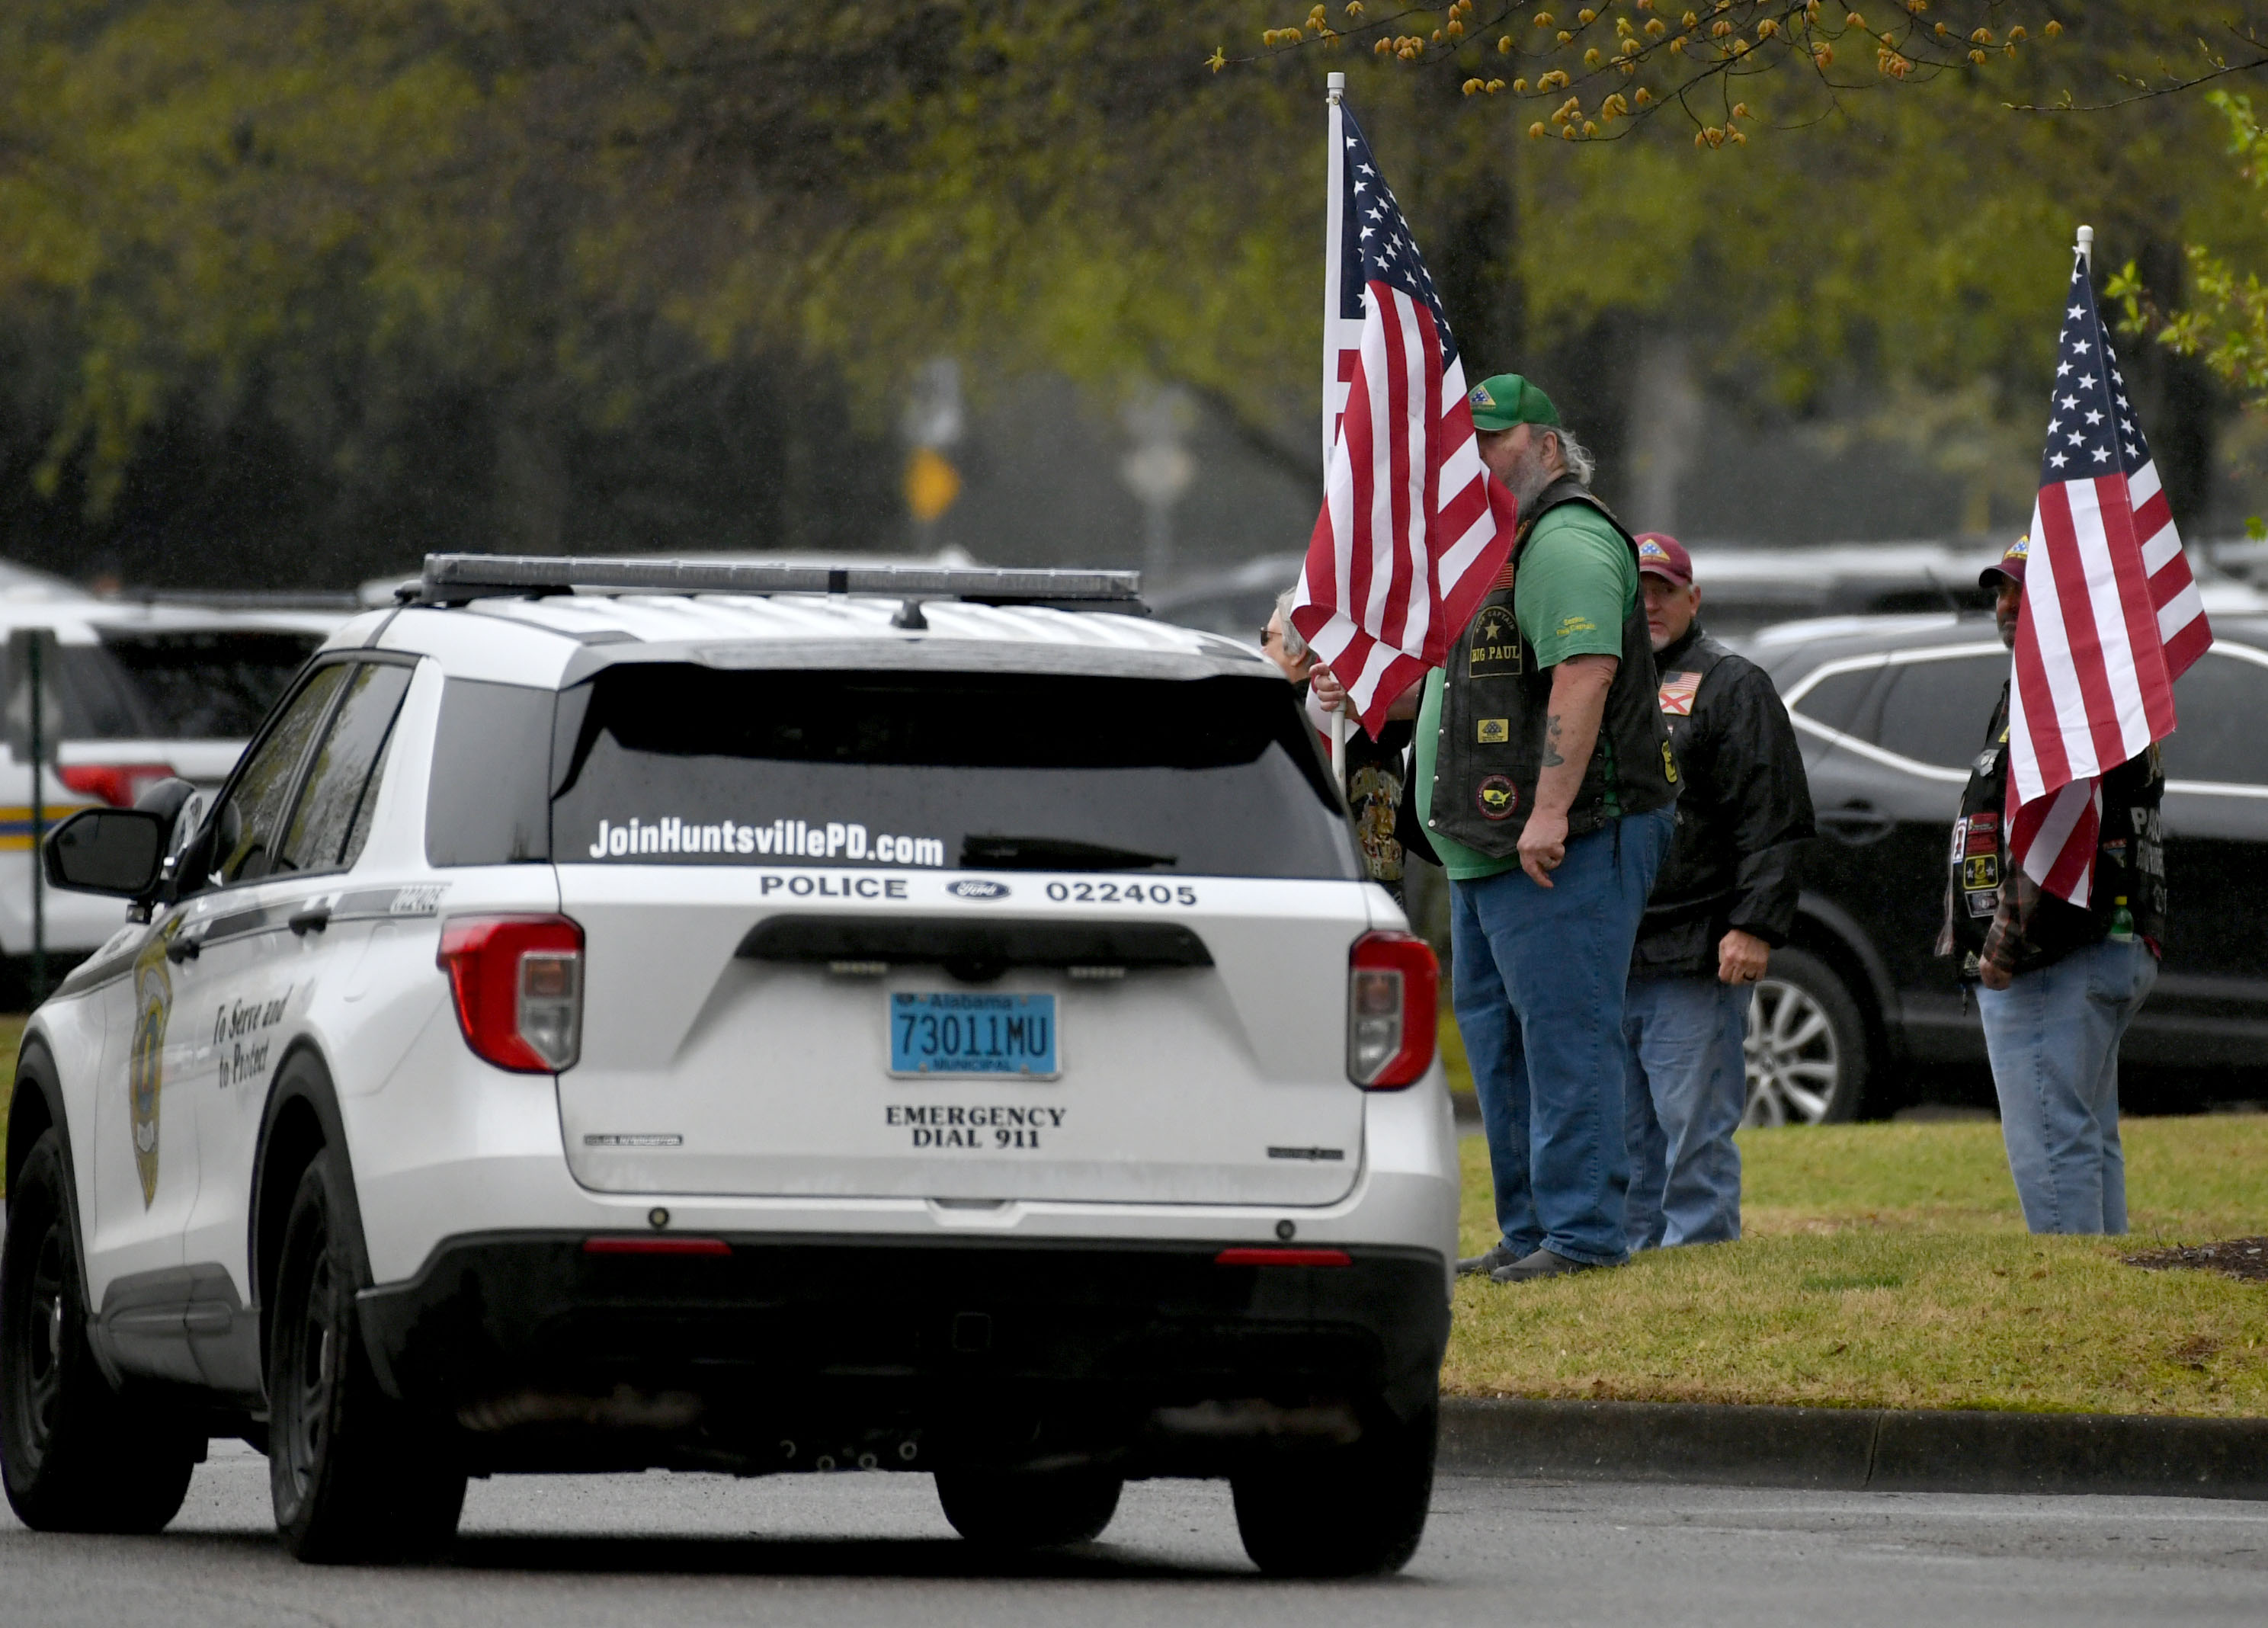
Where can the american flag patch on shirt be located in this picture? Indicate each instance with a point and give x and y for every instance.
(1677, 689)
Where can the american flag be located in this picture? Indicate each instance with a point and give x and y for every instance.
(2111, 615)
(1413, 529)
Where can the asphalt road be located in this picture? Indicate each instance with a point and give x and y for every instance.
(690, 1551)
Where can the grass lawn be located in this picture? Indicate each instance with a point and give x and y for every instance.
(1888, 1265)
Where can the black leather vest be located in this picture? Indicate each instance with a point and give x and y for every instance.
(1493, 706)
(2130, 860)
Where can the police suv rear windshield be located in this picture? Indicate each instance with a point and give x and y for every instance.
(663, 763)
(213, 684)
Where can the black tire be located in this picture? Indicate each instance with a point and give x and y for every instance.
(1028, 1508)
(355, 1477)
(1356, 1511)
(77, 1456)
(1808, 1058)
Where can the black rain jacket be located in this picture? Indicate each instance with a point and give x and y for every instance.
(1747, 807)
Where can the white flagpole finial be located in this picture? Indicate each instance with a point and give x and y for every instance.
(2087, 243)
(1335, 85)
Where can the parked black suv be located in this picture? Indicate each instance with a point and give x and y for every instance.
(1890, 711)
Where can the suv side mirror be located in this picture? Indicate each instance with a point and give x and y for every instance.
(113, 850)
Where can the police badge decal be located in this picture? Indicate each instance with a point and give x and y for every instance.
(146, 1063)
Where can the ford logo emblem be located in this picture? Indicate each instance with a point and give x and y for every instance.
(977, 888)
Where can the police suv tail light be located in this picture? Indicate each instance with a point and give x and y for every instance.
(1393, 986)
(517, 981)
(119, 785)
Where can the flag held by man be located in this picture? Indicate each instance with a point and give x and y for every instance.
(2111, 613)
(1413, 529)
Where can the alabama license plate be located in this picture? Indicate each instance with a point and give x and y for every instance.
(964, 1035)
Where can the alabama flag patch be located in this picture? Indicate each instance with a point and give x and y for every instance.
(1677, 691)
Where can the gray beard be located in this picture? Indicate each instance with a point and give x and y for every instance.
(1530, 478)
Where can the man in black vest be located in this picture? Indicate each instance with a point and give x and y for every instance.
(1547, 779)
(1725, 900)
(2061, 981)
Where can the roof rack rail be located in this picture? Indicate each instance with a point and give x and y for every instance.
(456, 578)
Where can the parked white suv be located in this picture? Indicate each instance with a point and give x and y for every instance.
(741, 1017)
(131, 694)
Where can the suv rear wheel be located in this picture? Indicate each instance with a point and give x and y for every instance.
(79, 1457)
(1349, 1512)
(1807, 1045)
(1028, 1508)
(353, 1476)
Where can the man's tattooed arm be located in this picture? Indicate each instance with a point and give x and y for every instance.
(1552, 758)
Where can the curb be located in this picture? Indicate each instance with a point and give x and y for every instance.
(1852, 1449)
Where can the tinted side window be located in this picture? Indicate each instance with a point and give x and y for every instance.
(488, 800)
(1936, 712)
(358, 832)
(1836, 699)
(2219, 706)
(344, 775)
(251, 821)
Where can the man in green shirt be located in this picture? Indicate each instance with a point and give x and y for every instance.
(1547, 781)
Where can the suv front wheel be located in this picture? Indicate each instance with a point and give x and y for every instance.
(353, 1476)
(1807, 1045)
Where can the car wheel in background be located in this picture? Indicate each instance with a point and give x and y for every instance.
(78, 1456)
(1347, 1511)
(353, 1476)
(1028, 1508)
(1807, 1045)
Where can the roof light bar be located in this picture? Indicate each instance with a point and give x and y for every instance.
(454, 579)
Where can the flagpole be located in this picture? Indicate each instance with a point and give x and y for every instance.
(1334, 241)
(2087, 246)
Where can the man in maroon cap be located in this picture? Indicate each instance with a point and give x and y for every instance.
(1725, 899)
(2061, 981)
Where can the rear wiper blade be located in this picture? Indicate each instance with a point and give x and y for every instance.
(1052, 853)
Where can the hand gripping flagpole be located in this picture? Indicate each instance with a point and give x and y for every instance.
(1335, 188)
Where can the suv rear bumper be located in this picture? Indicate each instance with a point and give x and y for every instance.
(908, 1353)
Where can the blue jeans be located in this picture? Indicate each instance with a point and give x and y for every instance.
(2053, 1038)
(1538, 975)
(1686, 1090)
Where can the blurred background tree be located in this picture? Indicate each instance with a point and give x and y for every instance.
(293, 291)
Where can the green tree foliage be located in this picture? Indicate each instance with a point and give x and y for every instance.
(2225, 321)
(491, 236)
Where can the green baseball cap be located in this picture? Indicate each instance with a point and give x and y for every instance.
(1506, 400)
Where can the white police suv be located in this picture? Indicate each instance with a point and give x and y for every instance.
(740, 1018)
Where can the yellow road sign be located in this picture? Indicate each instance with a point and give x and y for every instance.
(931, 484)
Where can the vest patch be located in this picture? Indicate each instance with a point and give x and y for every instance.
(1495, 731)
(1494, 646)
(1668, 763)
(1497, 797)
(1677, 692)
